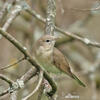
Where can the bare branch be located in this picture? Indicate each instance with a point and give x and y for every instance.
(8, 66)
(36, 15)
(85, 10)
(13, 14)
(41, 90)
(27, 76)
(6, 79)
(37, 87)
(10, 82)
(4, 92)
(86, 41)
(79, 38)
(15, 11)
(29, 58)
(50, 20)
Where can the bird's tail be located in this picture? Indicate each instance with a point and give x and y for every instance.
(80, 82)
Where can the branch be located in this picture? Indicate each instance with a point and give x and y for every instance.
(9, 81)
(79, 38)
(85, 10)
(8, 66)
(50, 20)
(41, 90)
(86, 41)
(29, 58)
(4, 92)
(6, 79)
(19, 5)
(37, 87)
(12, 15)
(27, 76)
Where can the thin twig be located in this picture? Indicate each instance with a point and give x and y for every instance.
(8, 66)
(4, 92)
(85, 10)
(9, 81)
(29, 74)
(37, 87)
(40, 92)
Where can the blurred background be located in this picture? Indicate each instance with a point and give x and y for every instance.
(77, 16)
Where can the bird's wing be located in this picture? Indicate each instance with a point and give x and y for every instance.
(60, 61)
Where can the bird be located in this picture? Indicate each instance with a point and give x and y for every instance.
(51, 58)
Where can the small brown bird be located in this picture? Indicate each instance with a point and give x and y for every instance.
(51, 58)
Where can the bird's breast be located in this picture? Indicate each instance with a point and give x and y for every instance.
(43, 54)
(46, 59)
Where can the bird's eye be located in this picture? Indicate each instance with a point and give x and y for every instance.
(47, 40)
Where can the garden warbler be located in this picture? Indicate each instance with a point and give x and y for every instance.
(51, 58)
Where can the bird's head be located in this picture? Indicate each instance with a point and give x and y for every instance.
(46, 42)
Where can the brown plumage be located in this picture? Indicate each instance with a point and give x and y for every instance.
(61, 62)
(50, 57)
